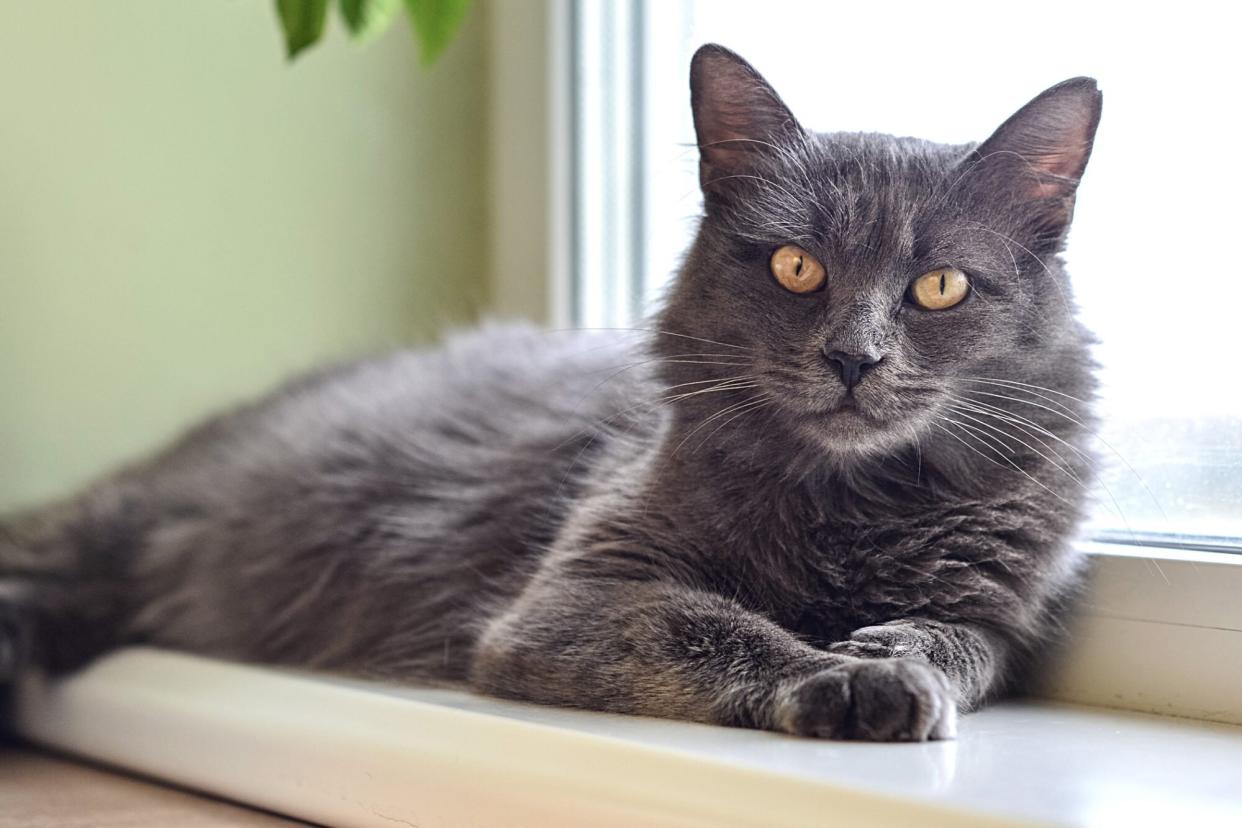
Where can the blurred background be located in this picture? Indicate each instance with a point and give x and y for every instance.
(186, 216)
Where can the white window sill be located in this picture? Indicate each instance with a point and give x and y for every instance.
(1159, 631)
(346, 753)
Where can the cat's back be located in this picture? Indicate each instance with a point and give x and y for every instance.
(474, 407)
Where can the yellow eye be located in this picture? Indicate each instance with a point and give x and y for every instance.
(940, 289)
(797, 270)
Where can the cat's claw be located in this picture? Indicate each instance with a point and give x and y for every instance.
(879, 700)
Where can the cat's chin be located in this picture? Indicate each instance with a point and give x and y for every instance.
(850, 433)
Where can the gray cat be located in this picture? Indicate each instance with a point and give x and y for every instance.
(831, 492)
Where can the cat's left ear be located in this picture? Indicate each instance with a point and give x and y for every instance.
(737, 117)
(1038, 156)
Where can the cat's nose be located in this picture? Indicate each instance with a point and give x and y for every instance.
(852, 366)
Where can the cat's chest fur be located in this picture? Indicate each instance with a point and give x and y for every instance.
(808, 563)
(847, 575)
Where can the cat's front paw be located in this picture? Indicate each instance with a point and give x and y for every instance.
(896, 640)
(880, 700)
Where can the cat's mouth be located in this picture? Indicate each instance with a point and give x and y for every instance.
(845, 408)
(849, 410)
(848, 403)
(851, 426)
(854, 404)
(845, 423)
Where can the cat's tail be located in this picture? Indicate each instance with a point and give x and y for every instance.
(64, 583)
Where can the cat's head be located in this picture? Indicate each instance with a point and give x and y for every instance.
(856, 283)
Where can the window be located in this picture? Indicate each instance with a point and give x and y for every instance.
(1154, 272)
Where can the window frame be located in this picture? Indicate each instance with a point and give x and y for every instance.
(531, 161)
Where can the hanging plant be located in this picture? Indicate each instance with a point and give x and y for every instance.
(435, 22)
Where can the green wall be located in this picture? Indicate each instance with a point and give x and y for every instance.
(185, 217)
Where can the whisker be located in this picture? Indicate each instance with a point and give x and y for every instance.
(722, 412)
(1027, 425)
(631, 366)
(663, 333)
(1018, 421)
(706, 381)
(1093, 433)
(740, 382)
(667, 360)
(1060, 405)
(616, 372)
(733, 386)
(1070, 416)
(1010, 461)
(1063, 468)
(963, 442)
(766, 400)
(998, 380)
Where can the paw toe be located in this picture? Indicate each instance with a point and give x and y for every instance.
(890, 700)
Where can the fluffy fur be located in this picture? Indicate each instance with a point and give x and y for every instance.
(697, 522)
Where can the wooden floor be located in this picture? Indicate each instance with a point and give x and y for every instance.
(38, 789)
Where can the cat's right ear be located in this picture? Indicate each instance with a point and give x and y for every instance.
(737, 117)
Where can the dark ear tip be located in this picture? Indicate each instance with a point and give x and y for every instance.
(714, 54)
(1083, 86)
(1081, 82)
(713, 50)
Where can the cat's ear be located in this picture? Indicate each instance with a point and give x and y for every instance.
(1038, 156)
(737, 116)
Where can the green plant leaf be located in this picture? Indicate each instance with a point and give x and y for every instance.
(302, 21)
(435, 23)
(368, 18)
